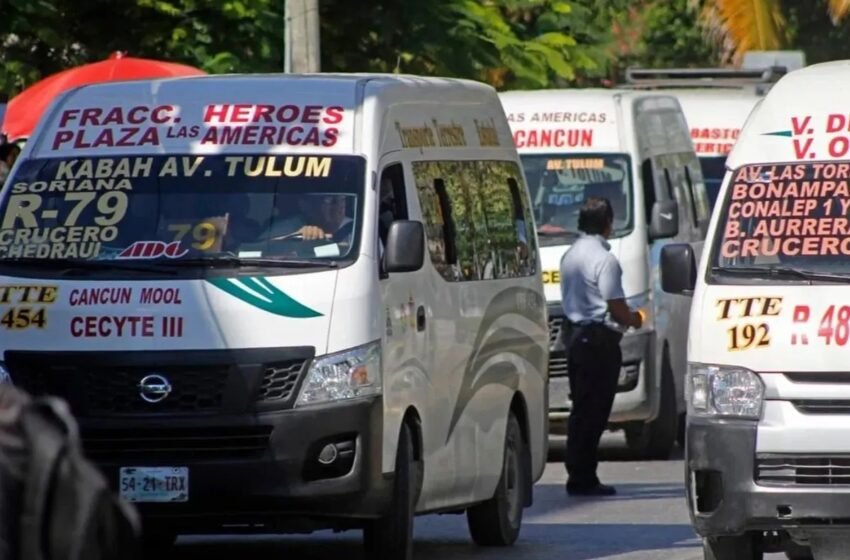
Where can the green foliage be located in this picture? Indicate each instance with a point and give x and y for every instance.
(667, 37)
(510, 44)
(41, 37)
(813, 31)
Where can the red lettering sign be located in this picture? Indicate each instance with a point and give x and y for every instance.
(560, 138)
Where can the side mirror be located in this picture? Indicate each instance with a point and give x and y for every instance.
(405, 250)
(664, 222)
(678, 269)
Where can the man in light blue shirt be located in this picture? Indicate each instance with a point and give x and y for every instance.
(596, 314)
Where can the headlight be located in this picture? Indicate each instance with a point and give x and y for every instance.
(344, 375)
(4, 374)
(644, 303)
(724, 391)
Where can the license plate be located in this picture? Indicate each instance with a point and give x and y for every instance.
(559, 391)
(154, 484)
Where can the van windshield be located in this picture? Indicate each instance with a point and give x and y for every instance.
(559, 184)
(785, 218)
(182, 208)
(713, 171)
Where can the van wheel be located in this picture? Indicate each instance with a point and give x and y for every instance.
(497, 521)
(157, 543)
(741, 547)
(391, 536)
(794, 551)
(654, 440)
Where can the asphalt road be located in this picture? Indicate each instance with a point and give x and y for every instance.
(646, 520)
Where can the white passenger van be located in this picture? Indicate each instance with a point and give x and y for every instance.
(285, 303)
(634, 149)
(716, 102)
(768, 432)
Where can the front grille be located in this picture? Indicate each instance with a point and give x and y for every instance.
(815, 406)
(117, 391)
(802, 470)
(555, 328)
(108, 384)
(279, 380)
(558, 365)
(95, 390)
(177, 443)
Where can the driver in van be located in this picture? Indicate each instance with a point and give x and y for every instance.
(320, 217)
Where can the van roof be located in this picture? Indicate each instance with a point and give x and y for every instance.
(193, 113)
(581, 120)
(210, 80)
(757, 80)
(804, 117)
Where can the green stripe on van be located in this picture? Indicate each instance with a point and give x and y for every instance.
(262, 294)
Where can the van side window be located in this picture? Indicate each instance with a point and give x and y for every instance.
(699, 192)
(434, 205)
(526, 240)
(392, 203)
(692, 196)
(671, 191)
(477, 220)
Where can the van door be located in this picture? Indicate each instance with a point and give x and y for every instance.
(406, 362)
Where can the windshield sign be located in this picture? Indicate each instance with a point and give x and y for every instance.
(182, 207)
(559, 185)
(794, 216)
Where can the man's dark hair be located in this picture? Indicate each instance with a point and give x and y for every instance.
(595, 216)
(8, 148)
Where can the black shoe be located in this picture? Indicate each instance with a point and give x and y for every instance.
(597, 490)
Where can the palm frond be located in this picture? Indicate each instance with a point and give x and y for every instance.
(744, 25)
(838, 10)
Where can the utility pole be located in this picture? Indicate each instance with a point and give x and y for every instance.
(301, 36)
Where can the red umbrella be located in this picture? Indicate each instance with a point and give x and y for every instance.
(25, 109)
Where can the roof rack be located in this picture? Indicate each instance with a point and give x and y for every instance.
(702, 77)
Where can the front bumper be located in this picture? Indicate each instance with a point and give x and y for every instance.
(265, 471)
(231, 420)
(632, 402)
(724, 497)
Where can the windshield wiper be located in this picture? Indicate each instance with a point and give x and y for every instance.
(232, 261)
(780, 272)
(80, 264)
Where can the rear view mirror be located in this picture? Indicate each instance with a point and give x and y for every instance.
(678, 269)
(405, 250)
(664, 222)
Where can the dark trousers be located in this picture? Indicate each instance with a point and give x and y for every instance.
(595, 358)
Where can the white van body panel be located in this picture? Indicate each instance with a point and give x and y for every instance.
(803, 119)
(639, 125)
(484, 342)
(715, 116)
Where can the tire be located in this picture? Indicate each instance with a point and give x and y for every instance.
(655, 440)
(497, 521)
(794, 551)
(391, 536)
(742, 547)
(157, 543)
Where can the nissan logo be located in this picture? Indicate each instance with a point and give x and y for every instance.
(154, 388)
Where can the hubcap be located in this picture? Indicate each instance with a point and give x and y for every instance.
(512, 487)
